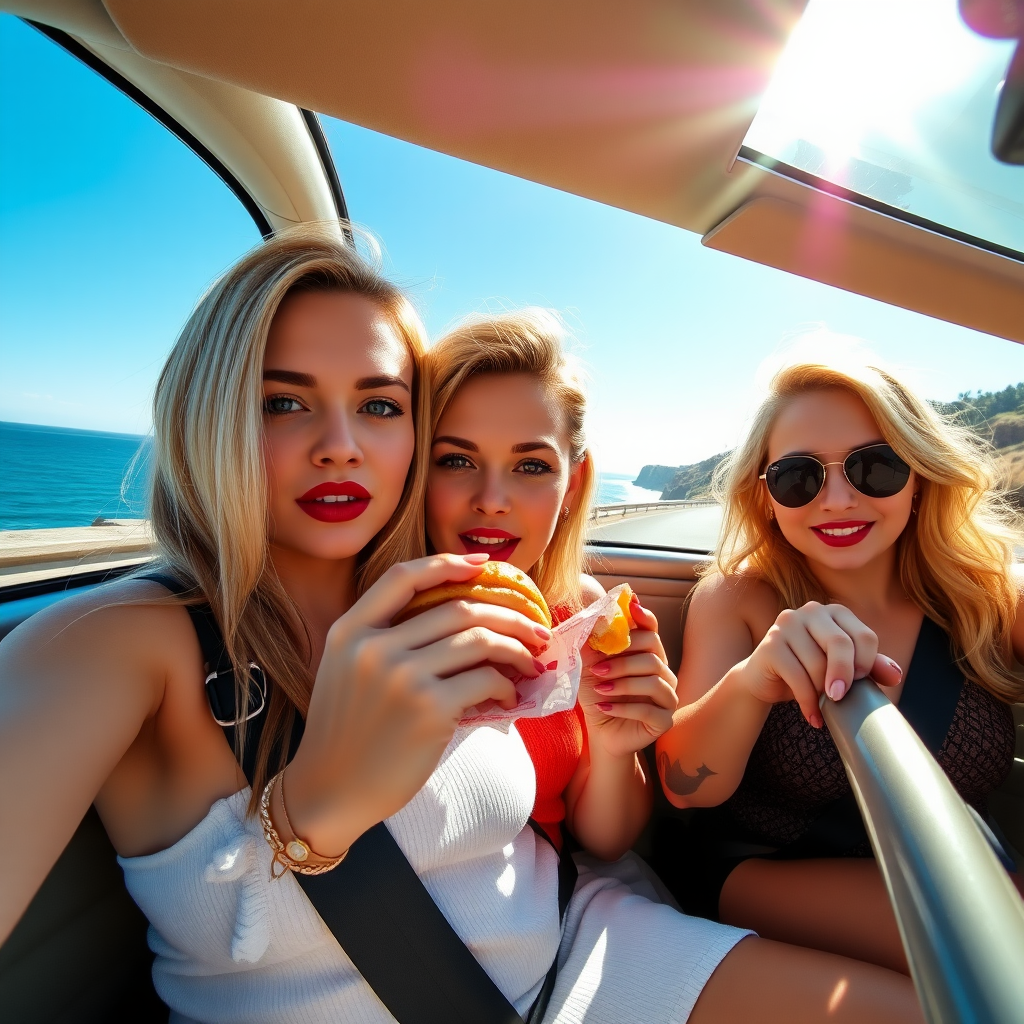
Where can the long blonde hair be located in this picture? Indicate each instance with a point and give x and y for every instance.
(531, 342)
(209, 500)
(955, 554)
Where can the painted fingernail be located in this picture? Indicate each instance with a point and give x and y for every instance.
(604, 687)
(538, 665)
(602, 668)
(836, 689)
(544, 634)
(895, 667)
(816, 721)
(605, 706)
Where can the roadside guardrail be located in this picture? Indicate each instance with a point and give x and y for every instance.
(603, 511)
(960, 917)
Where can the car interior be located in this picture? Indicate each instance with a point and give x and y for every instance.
(241, 84)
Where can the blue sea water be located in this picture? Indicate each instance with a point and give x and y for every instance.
(619, 489)
(56, 476)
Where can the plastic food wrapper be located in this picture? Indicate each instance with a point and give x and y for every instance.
(556, 688)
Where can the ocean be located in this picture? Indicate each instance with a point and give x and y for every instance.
(619, 489)
(56, 476)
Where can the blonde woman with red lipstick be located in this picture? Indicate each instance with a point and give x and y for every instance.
(861, 536)
(510, 476)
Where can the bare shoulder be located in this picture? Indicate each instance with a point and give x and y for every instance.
(591, 589)
(128, 630)
(739, 595)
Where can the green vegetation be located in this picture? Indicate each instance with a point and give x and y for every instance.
(997, 416)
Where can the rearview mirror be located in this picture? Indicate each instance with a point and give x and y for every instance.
(1003, 19)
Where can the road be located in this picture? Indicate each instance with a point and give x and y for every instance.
(692, 528)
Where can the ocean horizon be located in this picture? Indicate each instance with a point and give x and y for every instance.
(62, 476)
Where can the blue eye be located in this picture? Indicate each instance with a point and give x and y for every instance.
(382, 408)
(277, 405)
(533, 467)
(455, 460)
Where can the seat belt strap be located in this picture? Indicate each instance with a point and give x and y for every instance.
(374, 902)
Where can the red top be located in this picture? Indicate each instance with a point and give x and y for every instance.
(555, 744)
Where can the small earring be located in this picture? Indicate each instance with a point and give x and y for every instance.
(565, 514)
(915, 502)
(771, 512)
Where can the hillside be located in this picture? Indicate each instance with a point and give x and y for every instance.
(998, 416)
(655, 478)
(692, 481)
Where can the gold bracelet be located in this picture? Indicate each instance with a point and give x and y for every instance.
(293, 855)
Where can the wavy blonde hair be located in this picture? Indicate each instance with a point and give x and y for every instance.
(955, 554)
(209, 499)
(531, 342)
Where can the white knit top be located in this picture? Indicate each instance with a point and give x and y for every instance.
(232, 945)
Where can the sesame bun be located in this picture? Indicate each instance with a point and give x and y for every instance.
(498, 583)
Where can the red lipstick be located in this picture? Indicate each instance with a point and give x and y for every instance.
(500, 547)
(847, 533)
(335, 502)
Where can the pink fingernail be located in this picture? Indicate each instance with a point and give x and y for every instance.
(477, 558)
(539, 666)
(602, 668)
(604, 687)
(605, 706)
(816, 721)
(836, 689)
(544, 634)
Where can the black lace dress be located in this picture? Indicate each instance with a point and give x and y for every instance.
(795, 800)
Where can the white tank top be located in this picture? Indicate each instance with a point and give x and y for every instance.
(234, 946)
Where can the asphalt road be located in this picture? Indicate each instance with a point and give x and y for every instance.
(692, 528)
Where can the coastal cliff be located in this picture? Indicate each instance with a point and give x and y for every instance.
(692, 481)
(679, 482)
(655, 478)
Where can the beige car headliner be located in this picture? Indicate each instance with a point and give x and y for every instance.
(640, 104)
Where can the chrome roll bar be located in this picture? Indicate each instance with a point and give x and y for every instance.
(959, 915)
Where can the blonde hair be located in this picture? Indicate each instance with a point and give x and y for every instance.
(954, 555)
(209, 500)
(530, 342)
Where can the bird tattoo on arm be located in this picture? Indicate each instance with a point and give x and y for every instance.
(677, 780)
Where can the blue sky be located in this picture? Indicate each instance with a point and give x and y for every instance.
(110, 230)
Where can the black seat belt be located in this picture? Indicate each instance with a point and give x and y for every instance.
(373, 902)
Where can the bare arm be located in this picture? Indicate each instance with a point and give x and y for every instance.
(702, 758)
(77, 682)
(628, 702)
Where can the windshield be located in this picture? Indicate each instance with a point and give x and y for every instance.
(894, 100)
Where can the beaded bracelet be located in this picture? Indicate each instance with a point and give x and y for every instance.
(295, 854)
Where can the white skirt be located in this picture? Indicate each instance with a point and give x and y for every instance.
(626, 959)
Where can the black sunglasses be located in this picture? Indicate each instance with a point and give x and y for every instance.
(876, 471)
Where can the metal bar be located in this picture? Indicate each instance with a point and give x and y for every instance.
(959, 915)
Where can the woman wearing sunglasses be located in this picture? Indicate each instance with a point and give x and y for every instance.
(861, 537)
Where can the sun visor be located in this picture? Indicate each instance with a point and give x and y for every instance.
(862, 251)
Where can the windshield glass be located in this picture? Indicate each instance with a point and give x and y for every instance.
(894, 100)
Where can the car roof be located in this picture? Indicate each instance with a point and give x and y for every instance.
(641, 105)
